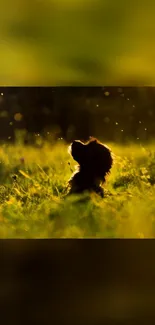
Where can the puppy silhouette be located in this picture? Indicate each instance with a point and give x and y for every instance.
(94, 164)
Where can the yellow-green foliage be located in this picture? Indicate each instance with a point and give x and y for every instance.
(87, 42)
(33, 202)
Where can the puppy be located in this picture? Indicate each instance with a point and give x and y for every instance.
(94, 164)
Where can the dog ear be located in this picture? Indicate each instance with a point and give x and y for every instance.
(92, 139)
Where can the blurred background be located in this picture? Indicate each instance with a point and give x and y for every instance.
(88, 42)
(119, 114)
(74, 281)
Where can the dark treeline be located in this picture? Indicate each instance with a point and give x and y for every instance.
(110, 113)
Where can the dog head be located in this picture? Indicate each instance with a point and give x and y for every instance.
(93, 157)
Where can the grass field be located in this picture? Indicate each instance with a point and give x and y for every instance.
(32, 202)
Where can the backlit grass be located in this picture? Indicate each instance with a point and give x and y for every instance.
(33, 202)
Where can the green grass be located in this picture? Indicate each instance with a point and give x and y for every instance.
(32, 202)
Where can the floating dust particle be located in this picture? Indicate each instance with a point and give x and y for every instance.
(18, 117)
(107, 93)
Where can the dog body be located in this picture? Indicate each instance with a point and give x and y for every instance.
(95, 161)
